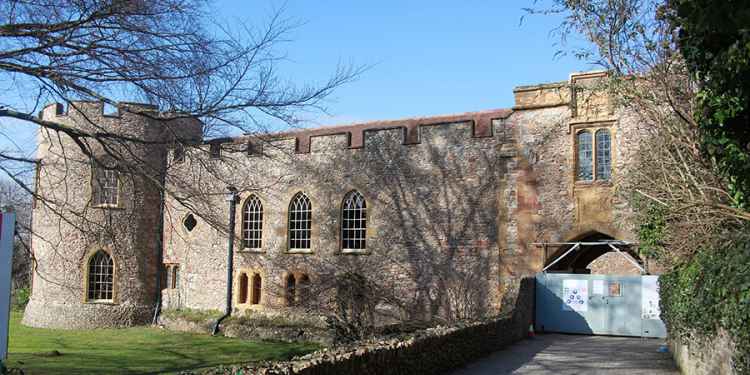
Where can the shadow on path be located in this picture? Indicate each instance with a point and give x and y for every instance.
(576, 354)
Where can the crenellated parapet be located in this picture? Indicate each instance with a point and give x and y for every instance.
(133, 119)
(410, 131)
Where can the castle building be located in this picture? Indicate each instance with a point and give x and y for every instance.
(442, 214)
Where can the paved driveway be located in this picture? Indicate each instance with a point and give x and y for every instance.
(576, 354)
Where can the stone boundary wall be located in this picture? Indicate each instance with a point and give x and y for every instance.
(702, 355)
(430, 351)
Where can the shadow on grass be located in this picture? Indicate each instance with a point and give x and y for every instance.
(141, 350)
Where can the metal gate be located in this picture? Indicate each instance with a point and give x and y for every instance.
(598, 304)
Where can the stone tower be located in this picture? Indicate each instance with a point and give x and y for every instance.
(97, 227)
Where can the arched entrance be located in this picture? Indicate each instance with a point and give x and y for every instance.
(572, 299)
(593, 251)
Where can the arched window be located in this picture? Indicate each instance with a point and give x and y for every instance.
(585, 156)
(354, 222)
(252, 223)
(242, 298)
(257, 287)
(300, 222)
(291, 290)
(603, 155)
(100, 277)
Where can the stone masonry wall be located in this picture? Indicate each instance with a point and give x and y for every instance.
(700, 355)
(69, 228)
(433, 214)
(415, 354)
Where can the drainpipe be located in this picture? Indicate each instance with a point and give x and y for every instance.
(232, 199)
(159, 258)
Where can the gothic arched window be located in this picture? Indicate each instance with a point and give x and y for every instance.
(100, 277)
(300, 222)
(252, 223)
(354, 222)
(603, 155)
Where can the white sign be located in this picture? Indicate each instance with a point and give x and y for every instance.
(575, 295)
(7, 229)
(598, 287)
(650, 297)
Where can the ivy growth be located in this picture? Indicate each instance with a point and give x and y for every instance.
(712, 292)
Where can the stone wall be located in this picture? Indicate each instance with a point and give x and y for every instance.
(433, 208)
(432, 351)
(455, 203)
(69, 227)
(703, 355)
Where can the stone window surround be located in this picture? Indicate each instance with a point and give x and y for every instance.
(184, 228)
(314, 229)
(250, 272)
(298, 275)
(593, 127)
(264, 227)
(368, 230)
(85, 271)
(172, 275)
(92, 182)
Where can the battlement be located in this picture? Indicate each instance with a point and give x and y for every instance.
(186, 129)
(411, 130)
(581, 93)
(94, 109)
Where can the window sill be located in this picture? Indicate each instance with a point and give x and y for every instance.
(251, 251)
(101, 302)
(299, 251)
(109, 206)
(355, 251)
(606, 183)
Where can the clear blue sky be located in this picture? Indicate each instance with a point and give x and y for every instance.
(428, 57)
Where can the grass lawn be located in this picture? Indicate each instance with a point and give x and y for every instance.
(141, 350)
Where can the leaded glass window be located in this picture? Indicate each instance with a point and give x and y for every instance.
(300, 222)
(105, 186)
(100, 277)
(603, 155)
(252, 223)
(585, 156)
(354, 222)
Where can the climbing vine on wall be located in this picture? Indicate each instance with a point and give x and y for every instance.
(712, 292)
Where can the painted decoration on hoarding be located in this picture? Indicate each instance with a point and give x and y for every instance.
(650, 297)
(575, 295)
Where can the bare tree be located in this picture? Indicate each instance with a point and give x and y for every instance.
(15, 199)
(634, 41)
(169, 54)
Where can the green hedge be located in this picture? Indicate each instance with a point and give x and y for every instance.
(709, 292)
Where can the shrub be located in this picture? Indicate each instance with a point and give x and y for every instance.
(709, 292)
(20, 298)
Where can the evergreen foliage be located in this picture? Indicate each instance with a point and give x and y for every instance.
(712, 292)
(714, 39)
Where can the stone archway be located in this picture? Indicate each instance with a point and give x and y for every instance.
(593, 253)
